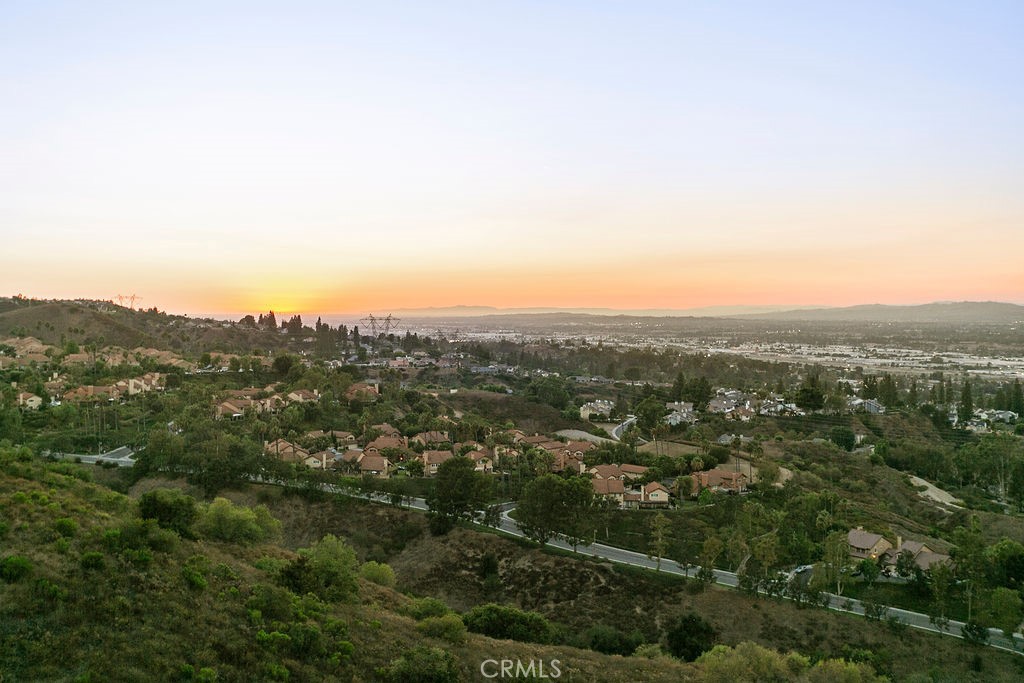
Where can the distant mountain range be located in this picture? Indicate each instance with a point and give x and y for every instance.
(702, 311)
(976, 312)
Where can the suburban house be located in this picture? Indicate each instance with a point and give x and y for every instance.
(870, 405)
(535, 440)
(430, 438)
(567, 461)
(235, 408)
(677, 417)
(579, 448)
(382, 442)
(384, 429)
(374, 465)
(319, 461)
(433, 459)
(727, 481)
(337, 435)
(606, 472)
(924, 557)
(285, 451)
(609, 489)
(630, 472)
(865, 545)
(304, 396)
(362, 392)
(651, 495)
(90, 392)
(482, 461)
(599, 408)
(29, 401)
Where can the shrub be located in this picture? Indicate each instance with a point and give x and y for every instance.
(66, 527)
(449, 627)
(194, 572)
(170, 508)
(91, 560)
(326, 569)
(378, 573)
(500, 621)
(649, 651)
(611, 641)
(140, 534)
(421, 608)
(15, 568)
(423, 664)
(222, 520)
(271, 603)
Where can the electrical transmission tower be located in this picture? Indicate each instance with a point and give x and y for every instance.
(382, 325)
(130, 298)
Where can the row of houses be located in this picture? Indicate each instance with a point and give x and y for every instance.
(151, 381)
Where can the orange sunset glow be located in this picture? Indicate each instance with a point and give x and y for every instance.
(263, 171)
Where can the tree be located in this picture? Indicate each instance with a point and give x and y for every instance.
(689, 637)
(997, 453)
(869, 571)
(649, 413)
(836, 557)
(1005, 610)
(942, 584)
(843, 437)
(905, 563)
(458, 493)
(969, 560)
(171, 509)
(579, 524)
(550, 390)
(283, 364)
(661, 534)
(709, 553)
(965, 409)
(1005, 561)
(811, 396)
(538, 507)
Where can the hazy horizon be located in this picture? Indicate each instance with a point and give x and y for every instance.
(357, 157)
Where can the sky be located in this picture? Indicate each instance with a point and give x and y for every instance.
(338, 157)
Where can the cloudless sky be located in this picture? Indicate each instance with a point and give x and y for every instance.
(333, 157)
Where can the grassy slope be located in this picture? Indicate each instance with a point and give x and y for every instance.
(127, 328)
(128, 622)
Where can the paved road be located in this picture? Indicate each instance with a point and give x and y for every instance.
(618, 429)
